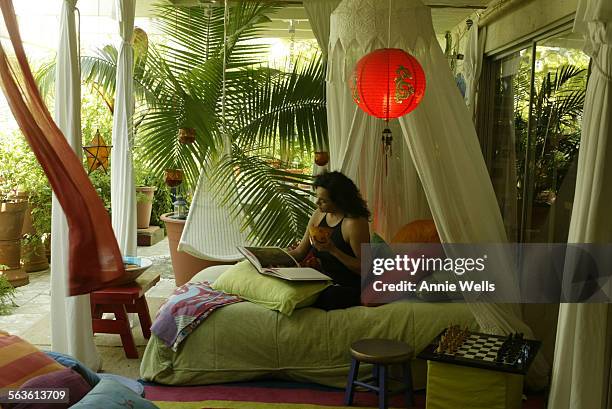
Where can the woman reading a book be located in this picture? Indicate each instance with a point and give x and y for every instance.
(336, 230)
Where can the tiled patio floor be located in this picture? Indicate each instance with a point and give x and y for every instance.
(30, 319)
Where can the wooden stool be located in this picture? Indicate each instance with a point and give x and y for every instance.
(380, 353)
(120, 301)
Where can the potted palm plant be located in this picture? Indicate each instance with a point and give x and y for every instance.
(266, 111)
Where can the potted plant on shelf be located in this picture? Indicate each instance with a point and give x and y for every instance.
(144, 205)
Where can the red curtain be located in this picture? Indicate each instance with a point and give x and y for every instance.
(95, 259)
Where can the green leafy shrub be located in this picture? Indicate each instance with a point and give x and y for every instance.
(7, 293)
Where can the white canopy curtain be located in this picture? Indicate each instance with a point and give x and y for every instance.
(318, 12)
(582, 371)
(472, 65)
(71, 330)
(355, 147)
(123, 190)
(439, 135)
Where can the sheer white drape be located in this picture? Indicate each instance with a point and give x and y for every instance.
(397, 197)
(71, 331)
(319, 12)
(472, 65)
(439, 135)
(582, 371)
(123, 190)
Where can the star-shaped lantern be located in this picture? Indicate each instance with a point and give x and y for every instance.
(97, 153)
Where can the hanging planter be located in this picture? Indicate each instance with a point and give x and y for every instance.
(187, 136)
(173, 177)
(321, 158)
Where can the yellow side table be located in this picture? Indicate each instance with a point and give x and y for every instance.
(471, 370)
(454, 386)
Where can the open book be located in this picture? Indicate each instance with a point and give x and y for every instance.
(276, 262)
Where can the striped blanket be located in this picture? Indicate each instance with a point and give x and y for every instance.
(187, 307)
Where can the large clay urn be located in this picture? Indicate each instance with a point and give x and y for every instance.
(144, 205)
(33, 255)
(184, 264)
(12, 213)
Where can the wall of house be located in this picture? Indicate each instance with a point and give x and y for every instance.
(525, 20)
(515, 25)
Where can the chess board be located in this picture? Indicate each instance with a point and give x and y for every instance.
(483, 351)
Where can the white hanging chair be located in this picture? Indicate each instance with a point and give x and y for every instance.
(211, 232)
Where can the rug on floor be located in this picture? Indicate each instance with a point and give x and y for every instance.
(275, 395)
(261, 395)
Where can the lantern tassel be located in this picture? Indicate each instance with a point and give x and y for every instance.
(387, 139)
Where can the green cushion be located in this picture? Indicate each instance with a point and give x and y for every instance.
(284, 296)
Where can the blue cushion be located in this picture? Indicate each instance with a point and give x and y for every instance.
(109, 394)
(90, 376)
(129, 383)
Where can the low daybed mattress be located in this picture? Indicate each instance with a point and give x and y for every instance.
(245, 341)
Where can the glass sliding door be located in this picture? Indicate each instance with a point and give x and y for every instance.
(509, 135)
(535, 135)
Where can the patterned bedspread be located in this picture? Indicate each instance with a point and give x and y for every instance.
(187, 307)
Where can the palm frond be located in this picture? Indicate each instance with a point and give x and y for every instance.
(274, 204)
(288, 106)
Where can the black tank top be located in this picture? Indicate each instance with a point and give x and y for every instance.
(333, 267)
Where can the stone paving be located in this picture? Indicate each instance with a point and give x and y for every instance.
(33, 301)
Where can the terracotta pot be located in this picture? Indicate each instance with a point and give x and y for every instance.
(28, 227)
(16, 276)
(184, 264)
(144, 206)
(173, 177)
(187, 135)
(321, 158)
(11, 223)
(34, 256)
(11, 219)
(10, 253)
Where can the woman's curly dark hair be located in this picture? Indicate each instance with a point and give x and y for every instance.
(343, 193)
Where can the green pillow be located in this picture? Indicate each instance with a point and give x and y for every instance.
(243, 280)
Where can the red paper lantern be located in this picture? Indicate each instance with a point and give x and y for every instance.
(388, 83)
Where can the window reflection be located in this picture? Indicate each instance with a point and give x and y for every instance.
(536, 136)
